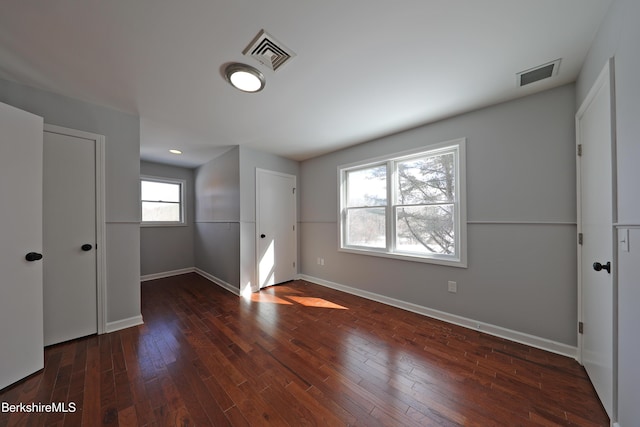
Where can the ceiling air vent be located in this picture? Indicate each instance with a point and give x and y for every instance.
(538, 73)
(268, 51)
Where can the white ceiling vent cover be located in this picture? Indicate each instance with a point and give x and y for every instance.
(538, 73)
(268, 51)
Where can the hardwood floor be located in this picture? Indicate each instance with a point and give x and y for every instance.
(298, 355)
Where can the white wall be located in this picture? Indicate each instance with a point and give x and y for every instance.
(521, 271)
(164, 249)
(122, 132)
(619, 37)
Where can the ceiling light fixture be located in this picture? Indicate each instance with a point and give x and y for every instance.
(174, 151)
(244, 77)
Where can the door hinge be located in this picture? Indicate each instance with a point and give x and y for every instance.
(580, 328)
(580, 238)
(579, 149)
(294, 190)
(294, 228)
(294, 264)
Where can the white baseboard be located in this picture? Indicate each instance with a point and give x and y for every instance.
(124, 323)
(164, 274)
(498, 331)
(227, 286)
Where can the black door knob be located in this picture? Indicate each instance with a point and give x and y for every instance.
(86, 247)
(262, 236)
(33, 256)
(598, 267)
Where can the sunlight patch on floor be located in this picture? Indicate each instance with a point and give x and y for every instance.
(286, 295)
(316, 302)
(268, 298)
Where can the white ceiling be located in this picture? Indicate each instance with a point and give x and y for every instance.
(364, 69)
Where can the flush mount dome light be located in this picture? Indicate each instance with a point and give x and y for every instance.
(244, 77)
(175, 151)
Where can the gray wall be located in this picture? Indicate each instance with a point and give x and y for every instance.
(619, 37)
(225, 213)
(217, 220)
(521, 271)
(122, 132)
(169, 248)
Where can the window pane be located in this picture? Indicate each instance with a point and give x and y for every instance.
(366, 227)
(367, 187)
(160, 212)
(160, 191)
(425, 229)
(426, 180)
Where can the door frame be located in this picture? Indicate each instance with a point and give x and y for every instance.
(101, 252)
(257, 237)
(606, 76)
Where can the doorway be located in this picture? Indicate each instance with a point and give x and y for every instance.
(73, 234)
(597, 276)
(276, 240)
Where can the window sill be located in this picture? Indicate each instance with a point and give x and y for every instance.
(405, 257)
(163, 224)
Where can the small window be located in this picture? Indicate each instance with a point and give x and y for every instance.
(409, 206)
(162, 201)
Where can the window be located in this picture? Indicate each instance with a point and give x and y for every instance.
(162, 201)
(408, 206)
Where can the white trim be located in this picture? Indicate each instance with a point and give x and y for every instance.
(71, 132)
(523, 222)
(498, 331)
(227, 286)
(123, 222)
(124, 323)
(165, 274)
(101, 232)
(627, 225)
(222, 222)
(162, 224)
(487, 222)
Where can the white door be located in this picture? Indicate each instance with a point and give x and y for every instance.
(70, 291)
(596, 207)
(275, 226)
(21, 348)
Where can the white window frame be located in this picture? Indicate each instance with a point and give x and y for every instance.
(183, 211)
(459, 258)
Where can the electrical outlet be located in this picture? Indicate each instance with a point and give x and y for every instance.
(452, 287)
(321, 261)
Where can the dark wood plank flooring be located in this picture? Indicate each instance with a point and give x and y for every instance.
(299, 355)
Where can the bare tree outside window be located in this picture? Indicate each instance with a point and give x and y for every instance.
(425, 203)
(407, 206)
